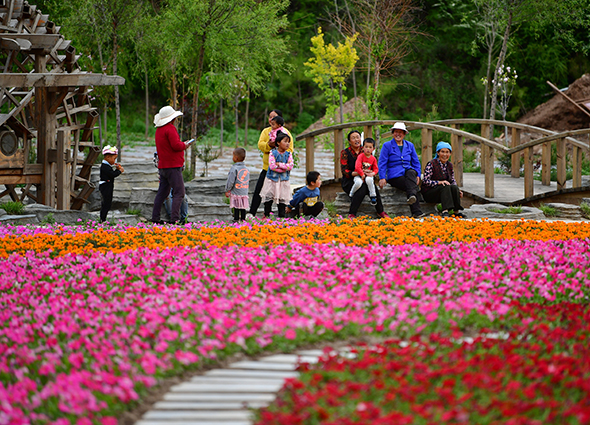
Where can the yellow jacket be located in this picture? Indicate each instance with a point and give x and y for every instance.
(265, 149)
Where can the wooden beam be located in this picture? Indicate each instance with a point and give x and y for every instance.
(457, 145)
(32, 178)
(426, 146)
(569, 99)
(368, 131)
(561, 164)
(577, 167)
(309, 154)
(528, 173)
(485, 133)
(44, 42)
(61, 95)
(515, 159)
(338, 147)
(489, 173)
(48, 79)
(546, 164)
(63, 175)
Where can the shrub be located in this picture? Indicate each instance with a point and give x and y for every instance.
(585, 207)
(508, 210)
(548, 211)
(13, 208)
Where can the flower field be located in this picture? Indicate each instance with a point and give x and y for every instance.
(91, 316)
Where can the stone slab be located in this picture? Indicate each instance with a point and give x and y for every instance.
(226, 397)
(210, 415)
(487, 211)
(251, 365)
(19, 219)
(194, 422)
(230, 380)
(208, 405)
(195, 387)
(289, 358)
(251, 374)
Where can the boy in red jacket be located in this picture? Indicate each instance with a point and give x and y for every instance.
(366, 169)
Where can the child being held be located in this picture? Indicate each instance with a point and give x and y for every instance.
(308, 197)
(367, 168)
(237, 185)
(276, 185)
(276, 125)
(109, 169)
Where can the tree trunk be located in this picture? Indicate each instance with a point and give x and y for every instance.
(246, 118)
(221, 119)
(199, 73)
(147, 107)
(300, 97)
(501, 59)
(100, 130)
(341, 104)
(237, 124)
(105, 122)
(117, 100)
(173, 91)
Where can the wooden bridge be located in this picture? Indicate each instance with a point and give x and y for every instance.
(485, 186)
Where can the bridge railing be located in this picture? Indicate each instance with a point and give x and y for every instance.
(488, 148)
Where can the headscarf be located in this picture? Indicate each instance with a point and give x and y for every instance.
(443, 145)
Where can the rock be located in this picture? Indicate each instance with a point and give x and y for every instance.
(394, 204)
(19, 219)
(46, 214)
(567, 211)
(487, 211)
(2, 212)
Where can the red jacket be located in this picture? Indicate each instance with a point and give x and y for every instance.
(364, 164)
(170, 148)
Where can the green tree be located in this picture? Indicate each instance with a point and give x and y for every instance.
(330, 66)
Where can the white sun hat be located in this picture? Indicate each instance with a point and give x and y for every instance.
(399, 126)
(110, 150)
(166, 114)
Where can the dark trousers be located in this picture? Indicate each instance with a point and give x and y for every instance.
(256, 199)
(359, 195)
(448, 196)
(239, 214)
(106, 190)
(408, 184)
(268, 208)
(170, 178)
(313, 211)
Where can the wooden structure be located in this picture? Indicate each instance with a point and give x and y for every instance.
(46, 117)
(488, 148)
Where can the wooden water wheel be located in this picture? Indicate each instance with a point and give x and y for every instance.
(46, 117)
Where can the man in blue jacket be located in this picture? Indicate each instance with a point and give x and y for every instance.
(399, 166)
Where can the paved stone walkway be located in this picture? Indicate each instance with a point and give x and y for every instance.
(226, 396)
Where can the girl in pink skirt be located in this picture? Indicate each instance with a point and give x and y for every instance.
(238, 183)
(276, 185)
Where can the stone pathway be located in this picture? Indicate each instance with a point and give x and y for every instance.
(227, 396)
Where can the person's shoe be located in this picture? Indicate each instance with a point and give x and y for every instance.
(351, 216)
(383, 215)
(419, 215)
(157, 221)
(412, 200)
(445, 214)
(373, 200)
(249, 216)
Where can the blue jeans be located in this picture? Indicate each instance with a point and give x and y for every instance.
(183, 207)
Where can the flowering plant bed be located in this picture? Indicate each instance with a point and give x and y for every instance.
(90, 317)
(538, 373)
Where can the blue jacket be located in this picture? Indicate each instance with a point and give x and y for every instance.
(307, 195)
(392, 164)
(286, 158)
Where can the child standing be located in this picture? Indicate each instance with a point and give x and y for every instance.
(308, 197)
(276, 185)
(109, 169)
(238, 183)
(367, 168)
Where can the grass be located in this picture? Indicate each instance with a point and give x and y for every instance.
(13, 208)
(585, 207)
(548, 211)
(508, 210)
(331, 209)
(134, 212)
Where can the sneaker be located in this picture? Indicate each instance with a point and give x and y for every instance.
(419, 215)
(373, 200)
(445, 214)
(351, 216)
(411, 200)
(249, 216)
(383, 215)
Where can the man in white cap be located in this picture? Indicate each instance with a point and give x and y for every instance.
(171, 161)
(399, 166)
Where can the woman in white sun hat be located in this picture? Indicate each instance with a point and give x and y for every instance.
(399, 166)
(170, 164)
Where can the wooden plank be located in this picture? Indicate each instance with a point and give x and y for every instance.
(63, 175)
(44, 42)
(22, 179)
(309, 154)
(569, 99)
(59, 99)
(24, 102)
(485, 133)
(546, 164)
(72, 111)
(89, 162)
(457, 145)
(338, 147)
(93, 117)
(426, 146)
(577, 167)
(528, 173)
(45, 79)
(515, 159)
(368, 131)
(489, 173)
(561, 164)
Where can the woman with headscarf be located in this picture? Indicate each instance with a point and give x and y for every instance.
(439, 185)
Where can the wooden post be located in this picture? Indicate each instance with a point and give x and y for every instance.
(561, 164)
(489, 173)
(546, 164)
(368, 131)
(515, 160)
(338, 147)
(426, 146)
(577, 167)
(528, 173)
(457, 145)
(309, 154)
(46, 129)
(63, 175)
(485, 132)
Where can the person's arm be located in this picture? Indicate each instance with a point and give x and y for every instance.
(382, 164)
(358, 166)
(290, 163)
(263, 141)
(174, 139)
(414, 160)
(427, 180)
(374, 167)
(298, 197)
(344, 165)
(273, 164)
(110, 173)
(453, 181)
(231, 179)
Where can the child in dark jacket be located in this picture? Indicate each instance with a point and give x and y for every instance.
(109, 169)
(308, 197)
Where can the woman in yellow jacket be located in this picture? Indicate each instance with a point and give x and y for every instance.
(265, 145)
